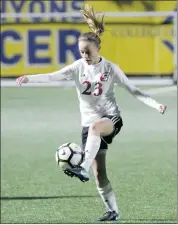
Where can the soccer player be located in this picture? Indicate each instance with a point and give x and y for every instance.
(101, 119)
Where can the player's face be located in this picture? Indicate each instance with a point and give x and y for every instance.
(89, 52)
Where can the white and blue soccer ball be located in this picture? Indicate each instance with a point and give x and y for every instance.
(69, 155)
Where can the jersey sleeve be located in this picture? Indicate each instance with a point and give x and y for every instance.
(66, 73)
(121, 79)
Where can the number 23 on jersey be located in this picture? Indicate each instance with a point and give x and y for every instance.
(97, 88)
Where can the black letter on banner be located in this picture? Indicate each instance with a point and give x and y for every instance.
(17, 8)
(33, 47)
(3, 10)
(77, 5)
(9, 60)
(64, 48)
(56, 8)
(34, 3)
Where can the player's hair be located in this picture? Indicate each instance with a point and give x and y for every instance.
(95, 24)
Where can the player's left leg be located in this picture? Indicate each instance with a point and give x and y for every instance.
(104, 187)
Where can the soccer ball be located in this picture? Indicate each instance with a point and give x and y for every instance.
(69, 155)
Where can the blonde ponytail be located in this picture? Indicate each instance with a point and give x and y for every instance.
(95, 24)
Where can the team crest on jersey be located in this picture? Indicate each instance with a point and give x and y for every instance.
(104, 76)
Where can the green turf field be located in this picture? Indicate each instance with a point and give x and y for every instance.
(141, 161)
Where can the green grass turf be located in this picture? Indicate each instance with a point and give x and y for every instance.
(141, 161)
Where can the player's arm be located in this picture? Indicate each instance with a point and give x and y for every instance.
(64, 74)
(122, 79)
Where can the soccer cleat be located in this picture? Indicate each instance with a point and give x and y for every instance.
(109, 216)
(78, 171)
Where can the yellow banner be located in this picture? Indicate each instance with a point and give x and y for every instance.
(34, 48)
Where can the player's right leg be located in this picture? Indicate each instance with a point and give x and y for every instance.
(103, 126)
(104, 187)
(106, 127)
(80, 172)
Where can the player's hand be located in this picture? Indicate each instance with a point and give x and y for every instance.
(21, 80)
(162, 108)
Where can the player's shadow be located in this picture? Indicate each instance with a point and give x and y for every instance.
(8, 198)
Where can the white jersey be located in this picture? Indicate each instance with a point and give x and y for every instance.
(95, 87)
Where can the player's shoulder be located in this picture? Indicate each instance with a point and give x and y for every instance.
(78, 63)
(109, 63)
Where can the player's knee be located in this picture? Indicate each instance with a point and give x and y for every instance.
(96, 126)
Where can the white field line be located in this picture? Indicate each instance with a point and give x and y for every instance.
(134, 81)
(152, 91)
